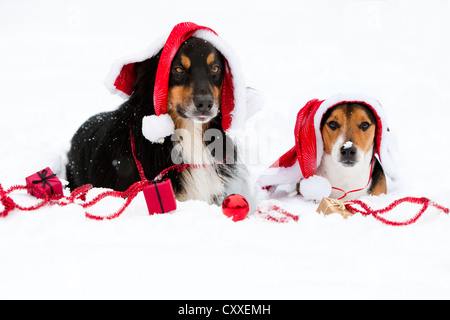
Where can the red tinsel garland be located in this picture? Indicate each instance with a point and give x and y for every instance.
(366, 210)
(10, 205)
(287, 216)
(80, 194)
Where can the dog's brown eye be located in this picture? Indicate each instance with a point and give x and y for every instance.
(179, 70)
(215, 69)
(333, 125)
(364, 126)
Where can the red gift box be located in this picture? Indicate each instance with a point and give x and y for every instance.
(48, 181)
(160, 197)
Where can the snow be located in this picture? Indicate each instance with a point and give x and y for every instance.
(54, 57)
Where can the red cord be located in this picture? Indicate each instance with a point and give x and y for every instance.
(368, 182)
(136, 160)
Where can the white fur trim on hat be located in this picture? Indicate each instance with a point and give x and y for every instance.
(280, 175)
(156, 128)
(117, 66)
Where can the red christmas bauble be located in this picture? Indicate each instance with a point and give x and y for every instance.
(236, 207)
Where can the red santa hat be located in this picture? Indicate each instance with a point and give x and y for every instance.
(300, 163)
(238, 102)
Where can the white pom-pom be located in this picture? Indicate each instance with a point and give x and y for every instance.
(315, 188)
(156, 128)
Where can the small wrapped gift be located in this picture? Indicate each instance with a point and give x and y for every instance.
(328, 206)
(48, 181)
(160, 197)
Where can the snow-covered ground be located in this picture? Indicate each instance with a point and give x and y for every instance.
(53, 59)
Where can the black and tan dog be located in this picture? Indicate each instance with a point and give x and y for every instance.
(195, 85)
(101, 149)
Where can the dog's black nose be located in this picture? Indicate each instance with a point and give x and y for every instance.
(348, 153)
(203, 103)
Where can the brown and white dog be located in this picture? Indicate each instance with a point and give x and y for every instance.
(349, 162)
(343, 149)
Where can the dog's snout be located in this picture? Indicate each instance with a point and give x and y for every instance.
(203, 103)
(348, 153)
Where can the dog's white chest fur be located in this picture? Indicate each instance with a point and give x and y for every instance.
(346, 178)
(201, 183)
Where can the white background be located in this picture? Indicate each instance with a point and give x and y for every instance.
(54, 56)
